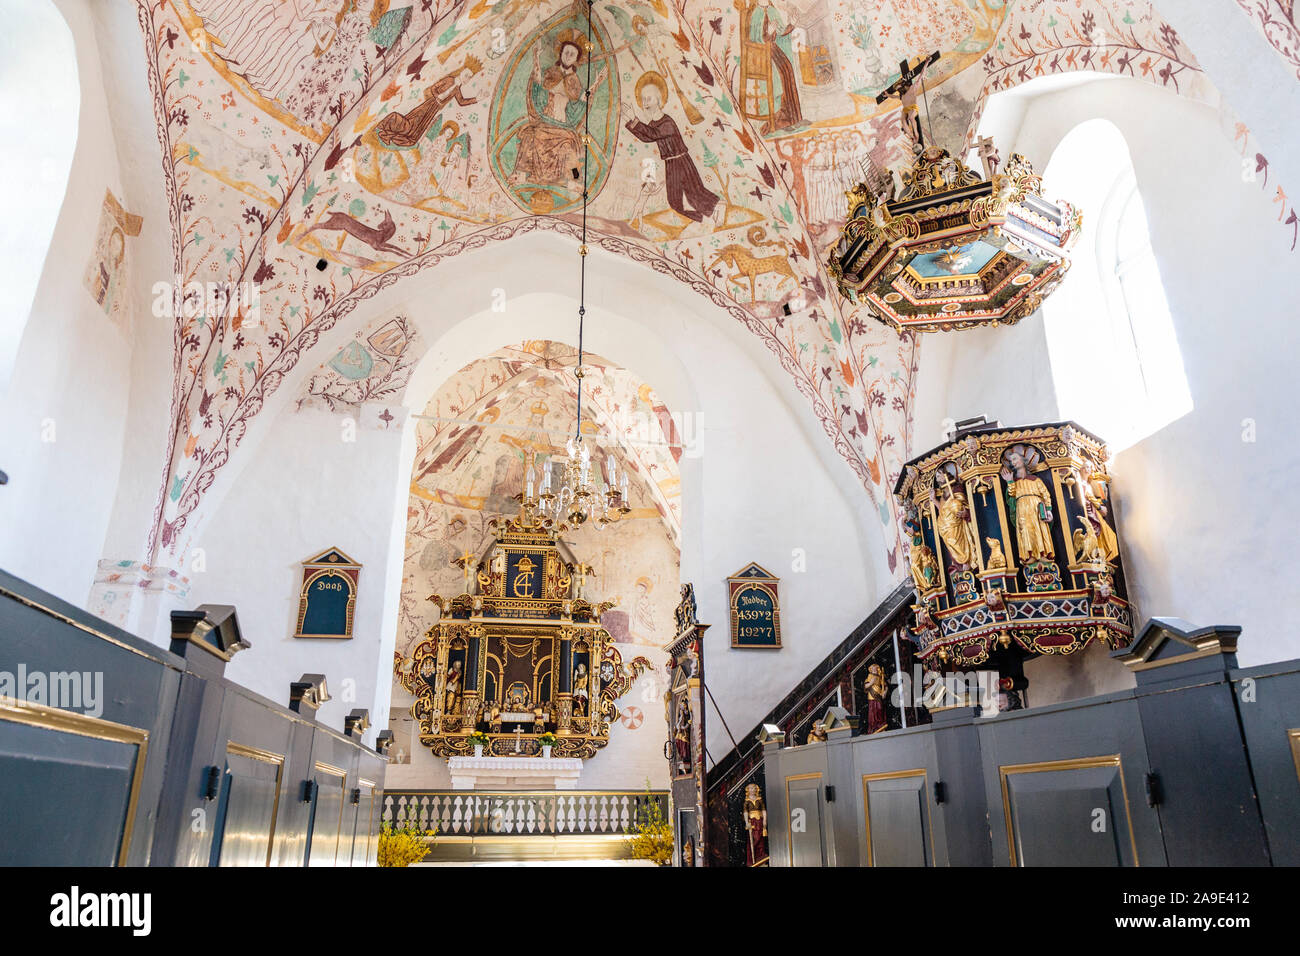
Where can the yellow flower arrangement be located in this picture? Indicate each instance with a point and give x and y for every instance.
(403, 843)
(653, 839)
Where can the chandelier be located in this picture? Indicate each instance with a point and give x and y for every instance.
(940, 247)
(579, 496)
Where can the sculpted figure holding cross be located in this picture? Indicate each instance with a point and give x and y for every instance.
(905, 89)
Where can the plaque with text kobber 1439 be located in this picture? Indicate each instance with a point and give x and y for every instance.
(755, 608)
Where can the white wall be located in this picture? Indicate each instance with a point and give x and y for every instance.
(1000, 373)
(144, 466)
(1203, 514)
(38, 137)
(310, 489)
(64, 413)
(1252, 76)
(766, 499)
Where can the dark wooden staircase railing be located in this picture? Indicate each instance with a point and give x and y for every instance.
(837, 680)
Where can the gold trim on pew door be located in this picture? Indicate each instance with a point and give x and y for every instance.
(868, 778)
(265, 756)
(789, 834)
(67, 722)
(1078, 763)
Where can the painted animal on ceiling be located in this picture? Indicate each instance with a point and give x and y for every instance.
(388, 136)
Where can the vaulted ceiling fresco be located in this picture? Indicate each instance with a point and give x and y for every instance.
(472, 440)
(1276, 22)
(387, 136)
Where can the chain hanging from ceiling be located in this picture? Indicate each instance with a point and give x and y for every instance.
(580, 495)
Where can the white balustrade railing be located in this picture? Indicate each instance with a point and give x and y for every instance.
(522, 813)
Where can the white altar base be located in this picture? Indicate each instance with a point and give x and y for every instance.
(514, 773)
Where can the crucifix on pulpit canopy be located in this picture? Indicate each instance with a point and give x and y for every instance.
(905, 89)
(988, 155)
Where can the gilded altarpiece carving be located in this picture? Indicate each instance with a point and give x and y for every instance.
(519, 654)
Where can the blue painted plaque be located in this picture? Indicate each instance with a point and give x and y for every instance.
(328, 597)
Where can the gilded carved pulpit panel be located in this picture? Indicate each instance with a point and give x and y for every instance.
(1014, 551)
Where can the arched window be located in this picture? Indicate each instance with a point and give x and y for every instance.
(38, 134)
(1115, 357)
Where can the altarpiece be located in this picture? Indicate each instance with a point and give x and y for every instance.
(519, 654)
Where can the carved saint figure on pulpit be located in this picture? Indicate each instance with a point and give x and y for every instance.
(925, 570)
(1030, 509)
(580, 693)
(755, 826)
(1096, 491)
(452, 689)
(955, 527)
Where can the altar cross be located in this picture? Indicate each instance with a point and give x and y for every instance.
(905, 89)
